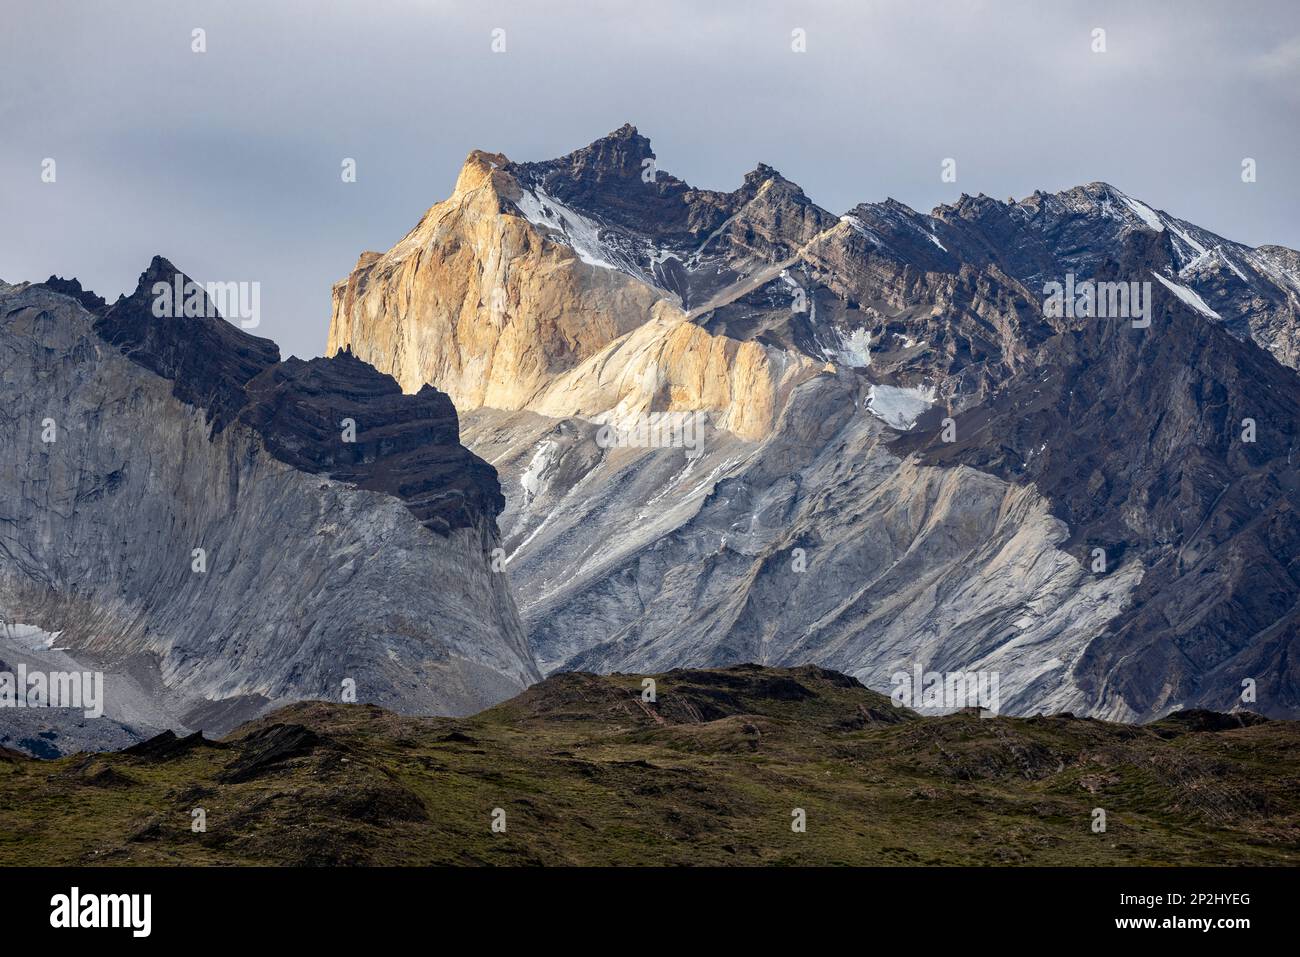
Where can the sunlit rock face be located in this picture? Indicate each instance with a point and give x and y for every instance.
(907, 460)
(503, 297)
(197, 528)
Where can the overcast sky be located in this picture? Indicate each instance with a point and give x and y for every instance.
(228, 162)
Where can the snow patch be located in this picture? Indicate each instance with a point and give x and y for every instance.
(532, 477)
(1272, 265)
(1206, 260)
(1144, 213)
(30, 637)
(854, 349)
(582, 233)
(899, 407)
(1187, 240)
(1188, 296)
(861, 228)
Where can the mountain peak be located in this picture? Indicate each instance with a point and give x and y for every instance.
(73, 288)
(626, 131)
(160, 270)
(622, 152)
(1099, 188)
(159, 264)
(207, 359)
(761, 174)
(614, 178)
(165, 292)
(620, 155)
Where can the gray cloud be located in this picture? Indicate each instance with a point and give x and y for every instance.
(228, 162)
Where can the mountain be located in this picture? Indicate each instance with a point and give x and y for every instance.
(1095, 522)
(582, 770)
(134, 441)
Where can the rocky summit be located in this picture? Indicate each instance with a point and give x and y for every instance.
(1050, 440)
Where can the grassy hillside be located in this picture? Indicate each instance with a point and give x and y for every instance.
(588, 773)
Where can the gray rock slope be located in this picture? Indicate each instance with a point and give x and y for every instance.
(367, 563)
(819, 544)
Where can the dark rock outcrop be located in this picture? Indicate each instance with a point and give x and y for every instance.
(266, 749)
(1202, 720)
(406, 446)
(72, 287)
(207, 360)
(168, 745)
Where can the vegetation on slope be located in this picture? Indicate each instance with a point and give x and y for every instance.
(588, 773)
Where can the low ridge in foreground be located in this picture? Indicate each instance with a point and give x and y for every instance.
(720, 768)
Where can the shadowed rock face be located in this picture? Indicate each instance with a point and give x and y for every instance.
(406, 446)
(72, 288)
(1253, 292)
(645, 213)
(836, 347)
(608, 175)
(207, 360)
(1137, 440)
(325, 565)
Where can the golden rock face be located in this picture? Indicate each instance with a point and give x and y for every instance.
(479, 302)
